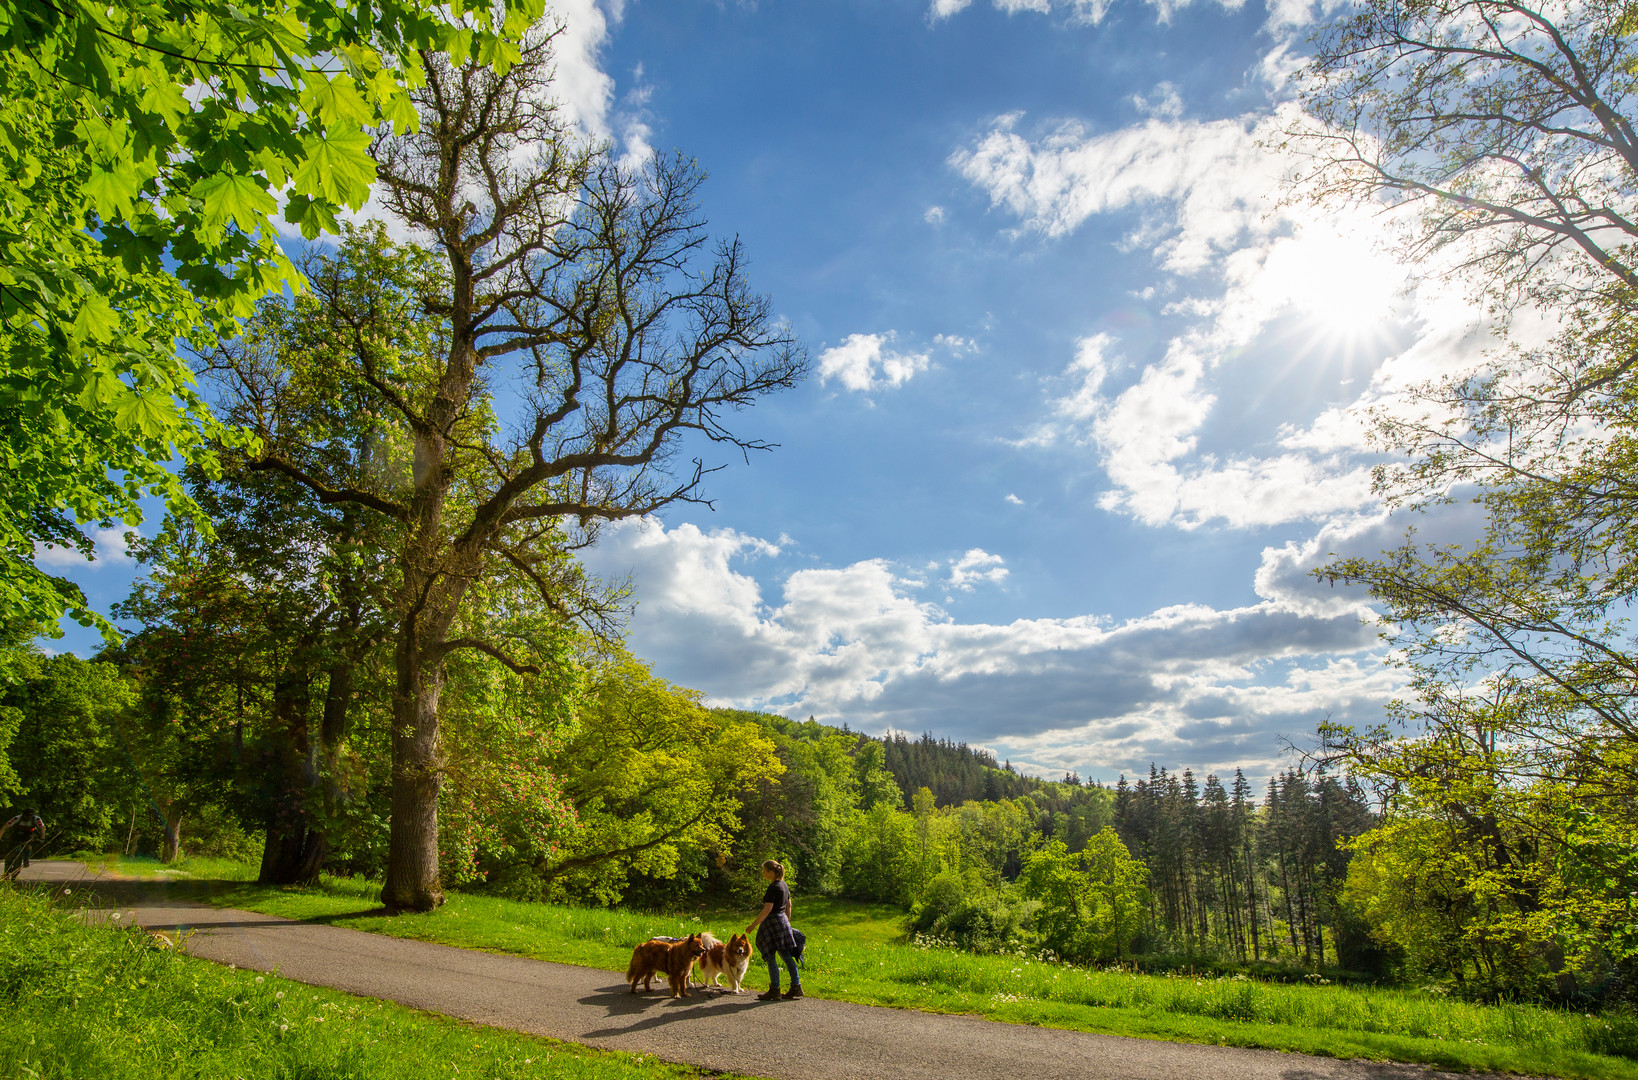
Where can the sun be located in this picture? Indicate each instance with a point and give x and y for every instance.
(1341, 285)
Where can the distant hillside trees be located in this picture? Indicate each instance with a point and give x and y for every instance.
(953, 772)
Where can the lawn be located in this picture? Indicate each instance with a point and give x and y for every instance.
(857, 952)
(87, 999)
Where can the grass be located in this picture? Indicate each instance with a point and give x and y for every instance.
(86, 999)
(857, 952)
(189, 867)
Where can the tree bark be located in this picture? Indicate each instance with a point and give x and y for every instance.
(173, 833)
(295, 846)
(413, 882)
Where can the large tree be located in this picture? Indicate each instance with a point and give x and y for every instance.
(1510, 131)
(585, 325)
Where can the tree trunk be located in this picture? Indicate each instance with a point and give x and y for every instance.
(293, 854)
(173, 833)
(413, 882)
(295, 847)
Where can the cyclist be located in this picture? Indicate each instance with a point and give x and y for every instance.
(30, 828)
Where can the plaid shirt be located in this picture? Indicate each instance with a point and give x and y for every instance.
(775, 935)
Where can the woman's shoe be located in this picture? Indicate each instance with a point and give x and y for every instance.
(768, 995)
(792, 994)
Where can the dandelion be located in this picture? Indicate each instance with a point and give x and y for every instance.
(258, 978)
(279, 996)
(284, 1027)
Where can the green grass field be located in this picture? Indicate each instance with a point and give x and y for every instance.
(90, 1001)
(857, 952)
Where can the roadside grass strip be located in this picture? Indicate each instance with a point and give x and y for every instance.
(87, 998)
(857, 952)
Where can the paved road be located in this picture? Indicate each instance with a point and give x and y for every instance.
(812, 1039)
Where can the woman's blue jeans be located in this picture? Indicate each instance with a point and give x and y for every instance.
(773, 970)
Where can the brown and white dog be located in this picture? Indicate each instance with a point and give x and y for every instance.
(731, 958)
(674, 959)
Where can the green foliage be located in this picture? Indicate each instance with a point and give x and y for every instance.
(875, 783)
(1093, 904)
(502, 810)
(1499, 887)
(879, 856)
(653, 777)
(75, 768)
(961, 910)
(801, 816)
(140, 147)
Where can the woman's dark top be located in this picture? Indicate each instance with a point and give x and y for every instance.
(774, 935)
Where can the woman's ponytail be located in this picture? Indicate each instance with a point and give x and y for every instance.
(777, 869)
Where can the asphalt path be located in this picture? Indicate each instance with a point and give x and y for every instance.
(810, 1039)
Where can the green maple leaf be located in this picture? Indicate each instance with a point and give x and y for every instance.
(233, 196)
(335, 101)
(338, 168)
(111, 190)
(149, 414)
(96, 319)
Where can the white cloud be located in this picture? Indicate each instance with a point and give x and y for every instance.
(934, 215)
(1187, 685)
(1242, 264)
(976, 566)
(1013, 499)
(584, 90)
(1210, 180)
(1075, 11)
(110, 548)
(1164, 101)
(863, 362)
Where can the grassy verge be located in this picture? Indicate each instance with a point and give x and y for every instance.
(190, 867)
(856, 952)
(85, 1000)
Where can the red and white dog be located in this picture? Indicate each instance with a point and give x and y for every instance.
(731, 958)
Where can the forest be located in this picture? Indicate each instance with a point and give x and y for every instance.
(363, 640)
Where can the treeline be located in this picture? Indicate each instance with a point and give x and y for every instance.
(954, 772)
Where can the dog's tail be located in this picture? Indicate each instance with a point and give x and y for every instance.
(708, 941)
(634, 969)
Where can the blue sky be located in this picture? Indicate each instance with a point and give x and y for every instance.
(1087, 399)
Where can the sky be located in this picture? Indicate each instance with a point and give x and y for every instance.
(1088, 397)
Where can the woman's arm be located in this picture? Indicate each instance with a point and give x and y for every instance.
(787, 906)
(767, 909)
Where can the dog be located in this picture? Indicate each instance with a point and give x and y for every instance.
(674, 959)
(732, 959)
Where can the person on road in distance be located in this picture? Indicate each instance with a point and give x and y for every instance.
(774, 938)
(30, 827)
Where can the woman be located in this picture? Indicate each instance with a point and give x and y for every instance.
(773, 933)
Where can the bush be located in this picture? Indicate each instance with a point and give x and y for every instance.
(962, 911)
